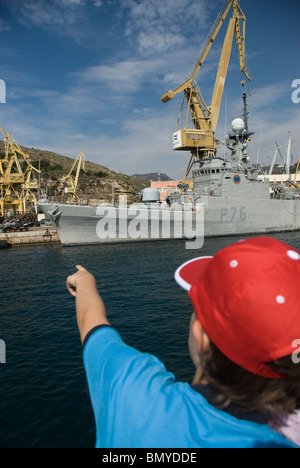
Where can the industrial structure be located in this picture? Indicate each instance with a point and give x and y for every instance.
(197, 133)
(283, 174)
(286, 160)
(72, 182)
(19, 188)
(17, 181)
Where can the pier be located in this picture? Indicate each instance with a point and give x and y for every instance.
(34, 236)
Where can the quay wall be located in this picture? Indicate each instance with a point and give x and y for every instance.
(34, 237)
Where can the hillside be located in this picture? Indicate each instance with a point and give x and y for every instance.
(96, 182)
(153, 176)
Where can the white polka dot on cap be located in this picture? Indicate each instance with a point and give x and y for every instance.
(234, 263)
(293, 255)
(280, 300)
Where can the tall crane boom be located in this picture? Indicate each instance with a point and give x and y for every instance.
(73, 182)
(199, 138)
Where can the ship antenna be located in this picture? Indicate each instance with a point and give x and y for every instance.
(245, 111)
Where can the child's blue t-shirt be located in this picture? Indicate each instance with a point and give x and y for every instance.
(138, 404)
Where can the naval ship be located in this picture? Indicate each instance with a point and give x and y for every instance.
(225, 198)
(228, 198)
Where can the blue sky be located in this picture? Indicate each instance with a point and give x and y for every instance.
(88, 75)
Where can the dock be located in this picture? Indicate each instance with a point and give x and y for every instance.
(34, 236)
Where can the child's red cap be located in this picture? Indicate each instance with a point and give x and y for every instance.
(247, 300)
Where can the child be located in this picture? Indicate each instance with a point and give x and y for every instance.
(242, 332)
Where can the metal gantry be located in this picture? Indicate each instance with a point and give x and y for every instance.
(17, 185)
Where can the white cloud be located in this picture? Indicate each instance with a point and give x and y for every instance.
(63, 17)
(159, 26)
(268, 95)
(159, 42)
(71, 3)
(40, 13)
(124, 76)
(145, 145)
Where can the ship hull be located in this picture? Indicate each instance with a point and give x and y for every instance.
(217, 216)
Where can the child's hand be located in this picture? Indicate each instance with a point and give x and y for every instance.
(73, 280)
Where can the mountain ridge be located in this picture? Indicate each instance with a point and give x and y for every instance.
(154, 176)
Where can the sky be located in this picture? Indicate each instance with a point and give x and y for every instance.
(88, 75)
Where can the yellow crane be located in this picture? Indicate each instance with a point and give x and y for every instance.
(16, 186)
(29, 188)
(6, 148)
(296, 173)
(11, 178)
(198, 132)
(73, 181)
(10, 168)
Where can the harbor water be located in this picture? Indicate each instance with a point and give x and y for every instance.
(43, 399)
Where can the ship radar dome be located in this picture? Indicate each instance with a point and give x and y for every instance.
(238, 125)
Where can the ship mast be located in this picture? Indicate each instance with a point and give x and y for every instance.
(247, 134)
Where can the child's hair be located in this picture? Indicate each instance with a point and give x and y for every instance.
(252, 392)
